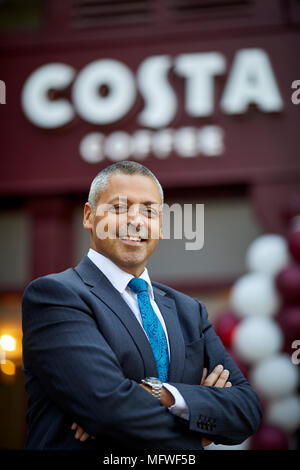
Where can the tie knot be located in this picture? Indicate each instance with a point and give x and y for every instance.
(138, 285)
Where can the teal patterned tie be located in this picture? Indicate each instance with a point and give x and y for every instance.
(152, 327)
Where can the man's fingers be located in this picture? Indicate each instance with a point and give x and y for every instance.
(84, 436)
(217, 378)
(213, 376)
(79, 433)
(203, 376)
(222, 379)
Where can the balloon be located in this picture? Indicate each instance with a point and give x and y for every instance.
(225, 325)
(256, 338)
(270, 438)
(289, 321)
(294, 244)
(285, 413)
(288, 283)
(275, 377)
(268, 254)
(254, 294)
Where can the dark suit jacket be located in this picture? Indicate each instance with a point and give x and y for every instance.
(85, 354)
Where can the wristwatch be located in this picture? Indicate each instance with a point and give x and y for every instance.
(155, 384)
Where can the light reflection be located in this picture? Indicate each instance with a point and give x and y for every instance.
(8, 342)
(8, 367)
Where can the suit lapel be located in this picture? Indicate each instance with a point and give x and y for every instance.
(105, 291)
(168, 310)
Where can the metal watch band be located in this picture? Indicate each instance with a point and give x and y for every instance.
(156, 390)
(156, 386)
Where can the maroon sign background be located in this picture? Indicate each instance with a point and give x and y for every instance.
(258, 146)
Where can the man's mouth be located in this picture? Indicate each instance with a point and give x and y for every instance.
(133, 239)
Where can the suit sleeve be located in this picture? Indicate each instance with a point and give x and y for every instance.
(80, 373)
(224, 415)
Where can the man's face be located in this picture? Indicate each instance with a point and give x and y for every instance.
(127, 225)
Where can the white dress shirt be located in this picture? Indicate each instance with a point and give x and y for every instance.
(120, 279)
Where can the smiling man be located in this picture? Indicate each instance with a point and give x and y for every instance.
(125, 219)
(126, 362)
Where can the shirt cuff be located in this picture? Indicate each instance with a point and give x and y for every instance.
(180, 407)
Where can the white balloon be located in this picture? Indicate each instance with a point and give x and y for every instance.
(275, 377)
(255, 294)
(256, 338)
(268, 254)
(285, 413)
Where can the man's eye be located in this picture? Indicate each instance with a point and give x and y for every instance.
(149, 212)
(120, 208)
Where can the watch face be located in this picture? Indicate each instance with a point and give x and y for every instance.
(153, 380)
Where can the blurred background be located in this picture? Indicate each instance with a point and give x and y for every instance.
(206, 94)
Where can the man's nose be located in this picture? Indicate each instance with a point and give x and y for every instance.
(134, 216)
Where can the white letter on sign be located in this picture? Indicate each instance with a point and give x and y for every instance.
(199, 69)
(251, 81)
(160, 99)
(88, 101)
(36, 104)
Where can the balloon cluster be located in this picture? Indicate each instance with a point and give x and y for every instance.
(261, 331)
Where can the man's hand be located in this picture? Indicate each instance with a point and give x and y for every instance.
(217, 378)
(80, 433)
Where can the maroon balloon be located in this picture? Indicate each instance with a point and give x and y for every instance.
(270, 438)
(294, 244)
(288, 283)
(225, 325)
(289, 321)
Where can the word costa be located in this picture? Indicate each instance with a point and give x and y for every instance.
(250, 80)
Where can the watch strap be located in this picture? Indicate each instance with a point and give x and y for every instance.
(156, 390)
(156, 387)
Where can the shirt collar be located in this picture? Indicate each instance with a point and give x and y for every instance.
(118, 278)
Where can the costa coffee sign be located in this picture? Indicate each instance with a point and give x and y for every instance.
(251, 80)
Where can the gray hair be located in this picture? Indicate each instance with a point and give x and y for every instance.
(100, 182)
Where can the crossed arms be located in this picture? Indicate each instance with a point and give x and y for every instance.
(65, 350)
(218, 378)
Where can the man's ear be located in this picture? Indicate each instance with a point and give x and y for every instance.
(87, 216)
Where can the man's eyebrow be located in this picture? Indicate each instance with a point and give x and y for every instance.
(118, 198)
(125, 199)
(150, 203)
